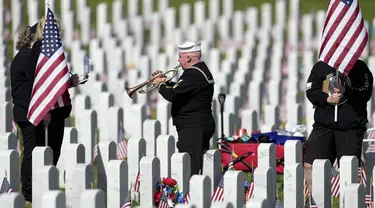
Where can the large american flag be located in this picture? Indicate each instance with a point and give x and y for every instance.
(52, 80)
(344, 35)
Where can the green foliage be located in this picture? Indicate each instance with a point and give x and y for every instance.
(135, 204)
(73, 120)
(153, 113)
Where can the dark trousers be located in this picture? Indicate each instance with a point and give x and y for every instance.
(195, 140)
(35, 136)
(325, 143)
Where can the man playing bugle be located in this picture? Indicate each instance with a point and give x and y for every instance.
(191, 99)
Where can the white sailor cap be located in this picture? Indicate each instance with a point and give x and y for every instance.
(189, 47)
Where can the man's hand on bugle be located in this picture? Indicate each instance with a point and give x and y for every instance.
(158, 73)
(160, 77)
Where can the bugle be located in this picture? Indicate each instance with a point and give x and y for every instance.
(147, 86)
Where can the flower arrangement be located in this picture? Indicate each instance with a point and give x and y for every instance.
(170, 187)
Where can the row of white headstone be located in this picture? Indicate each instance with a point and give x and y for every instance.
(234, 76)
(110, 107)
(116, 177)
(232, 79)
(100, 99)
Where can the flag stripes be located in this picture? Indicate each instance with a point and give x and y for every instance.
(137, 182)
(122, 145)
(163, 200)
(344, 35)
(52, 78)
(218, 194)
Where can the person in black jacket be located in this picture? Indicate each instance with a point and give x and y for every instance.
(330, 139)
(191, 99)
(22, 72)
(22, 76)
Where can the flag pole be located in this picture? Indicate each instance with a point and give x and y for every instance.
(336, 106)
(46, 129)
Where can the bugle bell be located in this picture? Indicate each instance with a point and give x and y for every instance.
(147, 86)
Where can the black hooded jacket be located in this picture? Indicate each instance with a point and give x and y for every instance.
(352, 111)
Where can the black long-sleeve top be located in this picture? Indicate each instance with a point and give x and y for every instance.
(191, 96)
(358, 91)
(22, 77)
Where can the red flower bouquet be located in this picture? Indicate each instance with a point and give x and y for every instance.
(169, 187)
(169, 182)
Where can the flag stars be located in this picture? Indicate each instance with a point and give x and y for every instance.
(51, 40)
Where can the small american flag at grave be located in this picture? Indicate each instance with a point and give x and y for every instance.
(5, 186)
(128, 202)
(335, 182)
(218, 194)
(163, 200)
(96, 147)
(122, 146)
(250, 192)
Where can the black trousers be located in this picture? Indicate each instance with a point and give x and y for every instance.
(195, 140)
(35, 136)
(325, 143)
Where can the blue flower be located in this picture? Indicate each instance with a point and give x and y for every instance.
(180, 200)
(246, 184)
(169, 190)
(158, 185)
(163, 185)
(179, 194)
(180, 197)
